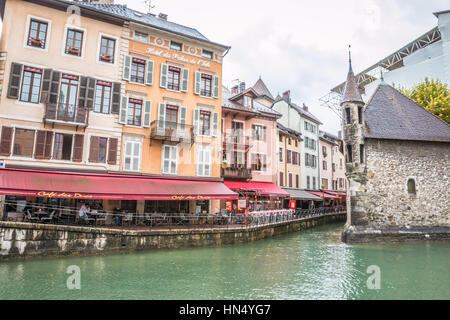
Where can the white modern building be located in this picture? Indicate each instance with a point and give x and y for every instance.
(301, 120)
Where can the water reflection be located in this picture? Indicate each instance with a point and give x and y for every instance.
(311, 264)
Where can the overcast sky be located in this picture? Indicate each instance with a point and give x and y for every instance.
(302, 45)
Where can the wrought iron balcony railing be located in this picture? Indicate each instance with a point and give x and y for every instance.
(235, 172)
(171, 131)
(236, 140)
(69, 113)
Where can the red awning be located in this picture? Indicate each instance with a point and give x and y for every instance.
(261, 188)
(35, 183)
(339, 194)
(323, 195)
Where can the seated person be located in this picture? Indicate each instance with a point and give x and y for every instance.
(83, 213)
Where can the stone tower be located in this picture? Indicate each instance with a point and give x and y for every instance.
(353, 128)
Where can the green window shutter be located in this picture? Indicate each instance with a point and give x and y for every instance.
(163, 76)
(216, 87)
(196, 121)
(126, 68)
(123, 110)
(161, 118)
(150, 67)
(147, 113)
(197, 83)
(215, 124)
(14, 80)
(185, 82)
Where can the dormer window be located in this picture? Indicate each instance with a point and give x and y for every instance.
(207, 54)
(248, 101)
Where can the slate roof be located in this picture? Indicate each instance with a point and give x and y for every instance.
(257, 107)
(391, 115)
(123, 12)
(262, 90)
(289, 131)
(351, 92)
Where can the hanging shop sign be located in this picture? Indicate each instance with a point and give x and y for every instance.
(292, 204)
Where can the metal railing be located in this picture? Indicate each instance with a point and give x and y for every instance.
(36, 213)
(236, 139)
(236, 172)
(171, 131)
(67, 113)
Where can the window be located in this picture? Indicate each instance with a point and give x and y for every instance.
(68, 97)
(173, 80)
(137, 70)
(74, 42)
(324, 165)
(170, 159)
(349, 153)
(205, 85)
(207, 54)
(361, 153)
(37, 35)
(347, 114)
(248, 101)
(314, 183)
(340, 163)
(297, 181)
(139, 36)
(340, 182)
(176, 46)
(289, 141)
(308, 182)
(281, 154)
(171, 116)
(290, 180)
(23, 143)
(205, 123)
(259, 132)
(103, 145)
(132, 156)
(31, 85)
(107, 49)
(324, 150)
(102, 97)
(288, 156)
(134, 112)
(333, 167)
(62, 148)
(281, 179)
(411, 186)
(203, 162)
(294, 158)
(259, 162)
(238, 159)
(280, 138)
(360, 115)
(325, 184)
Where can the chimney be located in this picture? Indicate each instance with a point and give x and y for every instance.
(162, 16)
(241, 87)
(340, 134)
(287, 95)
(235, 90)
(305, 107)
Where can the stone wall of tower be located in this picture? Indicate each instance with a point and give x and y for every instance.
(355, 170)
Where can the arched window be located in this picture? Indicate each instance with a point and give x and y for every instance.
(411, 186)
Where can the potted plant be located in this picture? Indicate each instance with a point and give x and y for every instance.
(74, 50)
(36, 41)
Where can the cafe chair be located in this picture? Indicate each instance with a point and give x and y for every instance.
(102, 219)
(49, 218)
(31, 218)
(127, 218)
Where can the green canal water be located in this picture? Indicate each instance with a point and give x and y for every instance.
(311, 264)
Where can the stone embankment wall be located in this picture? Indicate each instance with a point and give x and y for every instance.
(22, 240)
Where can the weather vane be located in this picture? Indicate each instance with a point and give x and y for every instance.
(148, 3)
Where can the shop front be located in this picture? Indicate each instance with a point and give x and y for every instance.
(303, 199)
(329, 200)
(65, 192)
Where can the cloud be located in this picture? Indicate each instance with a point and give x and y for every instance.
(302, 45)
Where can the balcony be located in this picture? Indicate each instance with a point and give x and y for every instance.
(237, 141)
(237, 173)
(67, 114)
(171, 132)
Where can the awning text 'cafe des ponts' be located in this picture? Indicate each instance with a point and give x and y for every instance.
(90, 186)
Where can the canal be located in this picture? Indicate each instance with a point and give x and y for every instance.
(312, 264)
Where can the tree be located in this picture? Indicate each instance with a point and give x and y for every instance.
(433, 95)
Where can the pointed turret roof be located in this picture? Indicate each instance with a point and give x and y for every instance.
(391, 115)
(351, 92)
(262, 90)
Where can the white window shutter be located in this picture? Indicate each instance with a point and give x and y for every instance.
(123, 109)
(185, 82)
(126, 67)
(196, 121)
(216, 87)
(150, 67)
(207, 162)
(163, 76)
(147, 113)
(199, 162)
(215, 124)
(182, 122)
(161, 118)
(197, 83)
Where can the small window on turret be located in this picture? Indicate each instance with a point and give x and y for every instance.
(361, 153)
(360, 115)
(411, 186)
(347, 113)
(349, 154)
